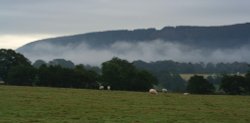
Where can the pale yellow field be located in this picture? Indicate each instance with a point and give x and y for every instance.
(186, 77)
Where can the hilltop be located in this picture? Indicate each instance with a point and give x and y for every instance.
(228, 43)
(204, 36)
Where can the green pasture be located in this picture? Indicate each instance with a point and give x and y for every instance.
(59, 105)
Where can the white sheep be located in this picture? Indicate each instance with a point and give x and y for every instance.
(185, 93)
(164, 90)
(101, 87)
(153, 91)
(109, 87)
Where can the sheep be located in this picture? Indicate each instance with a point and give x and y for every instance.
(109, 87)
(185, 93)
(164, 90)
(153, 91)
(101, 87)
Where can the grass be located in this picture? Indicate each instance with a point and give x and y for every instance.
(54, 105)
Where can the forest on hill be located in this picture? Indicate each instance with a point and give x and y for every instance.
(195, 44)
(210, 37)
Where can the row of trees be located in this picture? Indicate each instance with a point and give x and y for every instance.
(15, 69)
(230, 84)
(195, 68)
(236, 84)
(120, 74)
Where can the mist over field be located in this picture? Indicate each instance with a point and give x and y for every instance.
(147, 51)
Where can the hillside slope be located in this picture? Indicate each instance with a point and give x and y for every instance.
(181, 43)
(210, 36)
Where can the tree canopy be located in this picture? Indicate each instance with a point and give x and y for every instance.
(234, 84)
(9, 58)
(122, 75)
(199, 85)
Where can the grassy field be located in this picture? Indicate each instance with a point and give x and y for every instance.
(53, 105)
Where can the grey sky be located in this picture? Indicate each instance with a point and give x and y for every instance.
(27, 18)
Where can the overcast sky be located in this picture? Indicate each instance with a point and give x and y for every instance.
(22, 21)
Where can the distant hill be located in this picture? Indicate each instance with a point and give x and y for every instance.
(204, 38)
(210, 36)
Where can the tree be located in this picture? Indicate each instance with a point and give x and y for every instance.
(57, 76)
(171, 81)
(8, 59)
(233, 84)
(21, 75)
(39, 63)
(143, 81)
(247, 82)
(122, 75)
(199, 85)
(62, 62)
(87, 78)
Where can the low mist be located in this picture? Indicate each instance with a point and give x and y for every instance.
(146, 51)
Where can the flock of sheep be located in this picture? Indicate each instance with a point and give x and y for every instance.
(151, 91)
(102, 87)
(154, 91)
(164, 90)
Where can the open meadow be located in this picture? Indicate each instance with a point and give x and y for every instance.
(60, 105)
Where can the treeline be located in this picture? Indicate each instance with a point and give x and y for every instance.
(168, 72)
(65, 64)
(194, 68)
(120, 74)
(15, 69)
(230, 84)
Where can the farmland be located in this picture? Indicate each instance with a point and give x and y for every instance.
(186, 77)
(60, 105)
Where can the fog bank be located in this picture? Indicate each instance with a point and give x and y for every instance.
(146, 51)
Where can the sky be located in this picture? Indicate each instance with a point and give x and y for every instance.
(23, 21)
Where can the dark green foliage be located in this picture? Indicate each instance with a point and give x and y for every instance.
(166, 73)
(57, 76)
(215, 79)
(233, 84)
(247, 83)
(8, 59)
(172, 82)
(199, 85)
(87, 77)
(143, 81)
(55, 62)
(39, 63)
(93, 68)
(21, 75)
(62, 62)
(196, 68)
(15, 69)
(122, 75)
